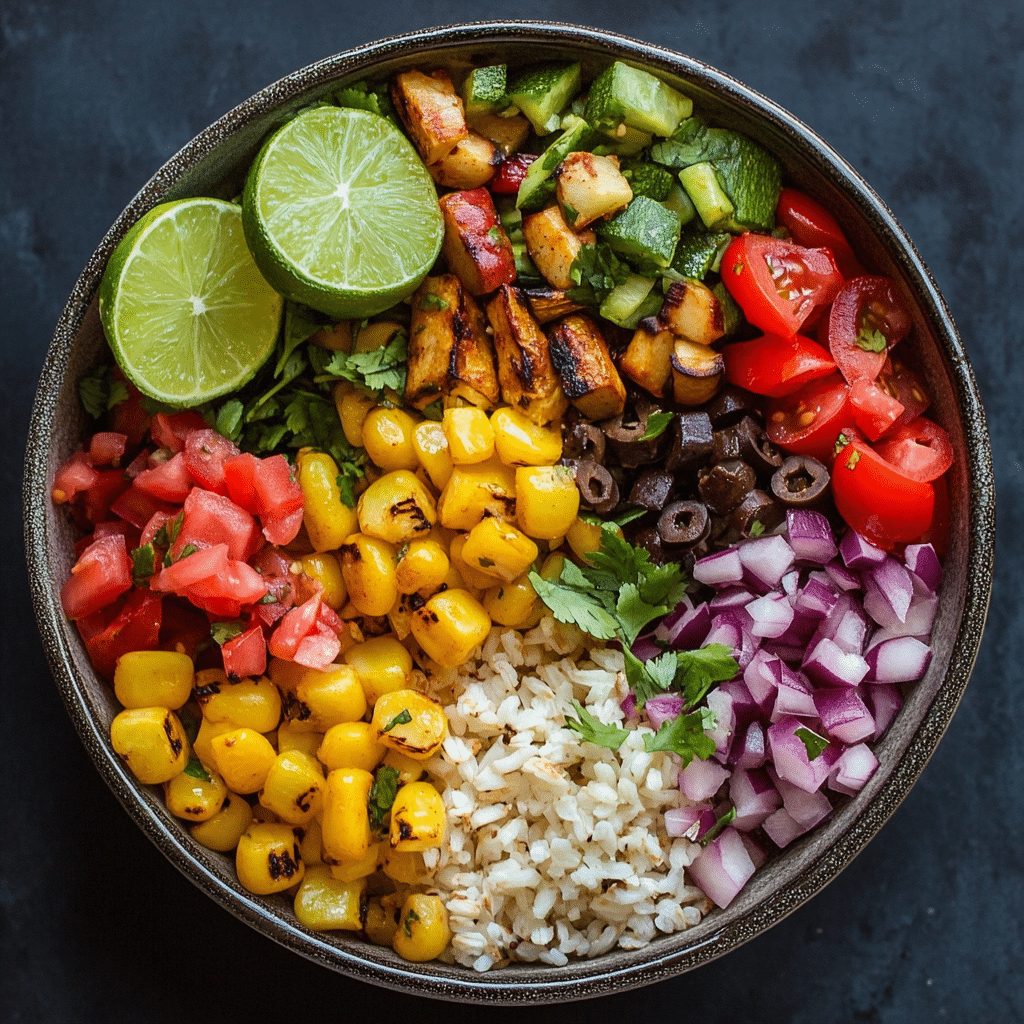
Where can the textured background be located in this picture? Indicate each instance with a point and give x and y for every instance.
(924, 98)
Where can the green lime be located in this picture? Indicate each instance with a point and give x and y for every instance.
(187, 314)
(340, 213)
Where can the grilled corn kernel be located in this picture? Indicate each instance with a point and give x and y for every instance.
(396, 508)
(197, 794)
(207, 731)
(404, 866)
(225, 828)
(151, 743)
(547, 501)
(328, 696)
(325, 569)
(312, 844)
(423, 932)
(346, 821)
(368, 565)
(335, 339)
(267, 859)
(499, 550)
(382, 919)
(511, 604)
(422, 567)
(323, 903)
(351, 745)
(521, 442)
(376, 335)
(553, 565)
(408, 768)
(469, 433)
(450, 626)
(295, 736)
(411, 722)
(387, 438)
(431, 447)
(328, 520)
(470, 574)
(249, 703)
(353, 407)
(417, 818)
(349, 871)
(488, 488)
(585, 538)
(293, 788)
(147, 679)
(243, 757)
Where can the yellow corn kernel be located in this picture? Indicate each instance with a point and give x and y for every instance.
(249, 703)
(387, 438)
(346, 820)
(195, 798)
(431, 447)
(323, 903)
(225, 828)
(352, 870)
(547, 501)
(325, 697)
(488, 488)
(294, 735)
(521, 442)
(268, 859)
(400, 616)
(284, 674)
(405, 867)
(396, 508)
(450, 626)
(260, 814)
(411, 722)
(512, 604)
(351, 745)
(327, 518)
(311, 843)
(423, 932)
(468, 573)
(469, 433)
(409, 769)
(325, 569)
(207, 731)
(353, 408)
(585, 538)
(376, 335)
(499, 550)
(553, 565)
(151, 742)
(417, 818)
(243, 757)
(335, 339)
(422, 566)
(368, 565)
(382, 919)
(148, 679)
(293, 788)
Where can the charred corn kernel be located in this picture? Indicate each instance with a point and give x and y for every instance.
(328, 520)
(377, 335)
(351, 745)
(353, 408)
(368, 565)
(521, 442)
(323, 903)
(400, 616)
(431, 447)
(423, 932)
(147, 679)
(547, 500)
(417, 819)
(409, 769)
(311, 844)
(383, 665)
(469, 433)
(486, 489)
(284, 674)
(511, 604)
(294, 735)
(225, 828)
(197, 794)
(207, 731)
(262, 815)
(468, 573)
(346, 821)
(336, 339)
(422, 566)
(293, 788)
(243, 757)
(387, 438)
(404, 866)
(411, 722)
(553, 565)
(328, 696)
(396, 508)
(350, 871)
(249, 703)
(325, 569)
(450, 626)
(151, 742)
(268, 859)
(499, 550)
(585, 538)
(382, 919)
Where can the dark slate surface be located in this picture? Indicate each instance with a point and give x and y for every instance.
(925, 99)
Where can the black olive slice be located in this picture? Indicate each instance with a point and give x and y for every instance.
(685, 523)
(800, 482)
(598, 489)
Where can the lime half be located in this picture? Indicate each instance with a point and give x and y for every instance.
(187, 313)
(340, 213)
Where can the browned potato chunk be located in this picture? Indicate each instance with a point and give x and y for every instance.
(693, 311)
(696, 372)
(549, 304)
(648, 357)
(431, 111)
(582, 361)
(475, 244)
(468, 164)
(553, 245)
(507, 133)
(591, 185)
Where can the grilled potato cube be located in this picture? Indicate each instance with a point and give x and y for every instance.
(584, 365)
(468, 164)
(549, 304)
(507, 133)
(553, 245)
(648, 358)
(693, 311)
(431, 111)
(592, 187)
(696, 372)
(527, 376)
(475, 244)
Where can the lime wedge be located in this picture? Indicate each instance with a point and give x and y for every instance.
(187, 314)
(340, 213)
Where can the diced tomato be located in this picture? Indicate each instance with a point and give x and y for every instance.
(136, 627)
(102, 573)
(166, 481)
(138, 464)
(778, 284)
(184, 628)
(240, 480)
(812, 226)
(99, 499)
(283, 530)
(296, 624)
(317, 650)
(773, 365)
(138, 508)
(245, 655)
(130, 417)
(867, 319)
(205, 452)
(920, 450)
(213, 519)
(199, 565)
(510, 173)
(74, 475)
(278, 499)
(874, 409)
(107, 448)
(906, 387)
(228, 591)
(170, 429)
(808, 421)
(154, 526)
(938, 533)
(107, 529)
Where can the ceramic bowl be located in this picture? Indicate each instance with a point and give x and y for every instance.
(214, 164)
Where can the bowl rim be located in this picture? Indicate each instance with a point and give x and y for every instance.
(665, 958)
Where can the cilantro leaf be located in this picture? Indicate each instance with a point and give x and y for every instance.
(99, 392)
(813, 743)
(593, 731)
(756, 528)
(222, 632)
(143, 563)
(382, 368)
(685, 736)
(657, 424)
(194, 769)
(595, 271)
(633, 612)
(364, 96)
(699, 670)
(382, 794)
(402, 718)
(568, 604)
(228, 422)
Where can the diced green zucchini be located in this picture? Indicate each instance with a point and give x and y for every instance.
(483, 91)
(512, 222)
(649, 180)
(699, 252)
(537, 187)
(542, 93)
(527, 274)
(733, 313)
(707, 195)
(626, 95)
(627, 303)
(645, 229)
(625, 141)
(679, 202)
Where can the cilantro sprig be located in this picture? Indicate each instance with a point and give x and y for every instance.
(595, 271)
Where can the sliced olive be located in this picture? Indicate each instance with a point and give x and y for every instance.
(724, 486)
(730, 405)
(800, 481)
(685, 523)
(652, 489)
(584, 441)
(624, 433)
(598, 489)
(757, 508)
(693, 441)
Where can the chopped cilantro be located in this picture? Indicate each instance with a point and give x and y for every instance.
(657, 423)
(685, 736)
(402, 718)
(756, 528)
(434, 411)
(595, 271)
(194, 769)
(382, 368)
(433, 301)
(100, 392)
(143, 563)
(813, 743)
(719, 826)
(494, 233)
(410, 917)
(364, 96)
(593, 731)
(222, 632)
(382, 794)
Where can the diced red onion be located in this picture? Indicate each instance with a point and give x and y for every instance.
(800, 631)
(855, 766)
(885, 701)
(688, 631)
(730, 597)
(923, 562)
(645, 647)
(720, 704)
(663, 708)
(628, 705)
(744, 706)
(720, 568)
(748, 749)
(758, 853)
(689, 822)
(891, 582)
(810, 536)
(772, 615)
(829, 665)
(842, 577)
(793, 695)
(787, 652)
(900, 660)
(858, 553)
(919, 621)
(807, 809)
(754, 797)
(791, 582)
(761, 681)
(722, 868)
(790, 755)
(732, 628)
(843, 714)
(701, 780)
(781, 828)
(765, 561)
(818, 596)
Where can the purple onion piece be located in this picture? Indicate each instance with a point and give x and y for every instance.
(645, 647)
(900, 660)
(893, 584)
(818, 596)
(765, 561)
(829, 665)
(790, 757)
(810, 536)
(761, 681)
(720, 704)
(722, 868)
(701, 780)
(719, 569)
(781, 828)
(854, 768)
(806, 809)
(688, 631)
(662, 709)
(857, 553)
(791, 582)
(842, 577)
(748, 749)
(923, 562)
(758, 852)
(754, 797)
(680, 821)
(843, 714)
(885, 701)
(628, 705)
(772, 615)
(730, 597)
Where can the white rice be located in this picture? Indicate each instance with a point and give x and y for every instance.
(556, 847)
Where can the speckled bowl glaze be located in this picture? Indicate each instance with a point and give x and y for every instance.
(214, 164)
